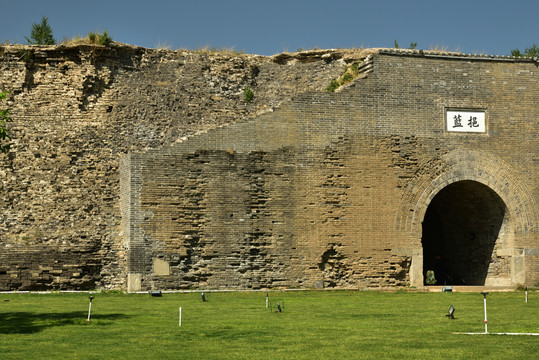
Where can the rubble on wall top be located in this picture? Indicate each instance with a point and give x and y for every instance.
(304, 56)
(307, 56)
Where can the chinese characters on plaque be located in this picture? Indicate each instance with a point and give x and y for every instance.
(465, 121)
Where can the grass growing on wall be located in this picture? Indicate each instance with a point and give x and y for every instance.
(346, 77)
(340, 324)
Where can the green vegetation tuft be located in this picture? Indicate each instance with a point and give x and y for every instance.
(333, 85)
(4, 132)
(413, 45)
(346, 77)
(103, 39)
(531, 52)
(248, 94)
(93, 38)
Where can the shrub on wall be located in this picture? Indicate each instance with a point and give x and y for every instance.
(347, 76)
(4, 118)
(248, 94)
(532, 52)
(99, 39)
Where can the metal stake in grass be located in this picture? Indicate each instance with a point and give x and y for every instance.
(485, 305)
(90, 308)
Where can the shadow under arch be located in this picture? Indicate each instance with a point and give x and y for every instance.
(460, 229)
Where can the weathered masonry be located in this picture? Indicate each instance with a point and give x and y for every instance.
(426, 161)
(423, 159)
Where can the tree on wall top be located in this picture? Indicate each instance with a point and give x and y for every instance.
(41, 33)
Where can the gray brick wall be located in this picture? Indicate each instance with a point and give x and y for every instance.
(332, 187)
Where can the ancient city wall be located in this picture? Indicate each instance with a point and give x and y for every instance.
(137, 168)
(78, 109)
(331, 190)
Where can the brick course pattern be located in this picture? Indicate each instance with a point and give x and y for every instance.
(202, 190)
(77, 109)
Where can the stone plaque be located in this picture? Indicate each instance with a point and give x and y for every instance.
(465, 121)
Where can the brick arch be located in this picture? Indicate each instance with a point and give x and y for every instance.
(459, 165)
(468, 165)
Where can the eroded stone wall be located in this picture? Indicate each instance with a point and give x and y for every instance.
(331, 189)
(78, 109)
(149, 165)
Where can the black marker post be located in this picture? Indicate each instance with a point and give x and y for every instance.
(90, 308)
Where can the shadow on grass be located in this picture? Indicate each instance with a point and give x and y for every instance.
(31, 322)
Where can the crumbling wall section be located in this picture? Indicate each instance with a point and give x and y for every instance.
(78, 109)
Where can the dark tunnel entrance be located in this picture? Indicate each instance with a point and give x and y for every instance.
(460, 229)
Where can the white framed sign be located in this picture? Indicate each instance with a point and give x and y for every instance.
(465, 121)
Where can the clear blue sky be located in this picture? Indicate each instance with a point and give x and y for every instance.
(273, 26)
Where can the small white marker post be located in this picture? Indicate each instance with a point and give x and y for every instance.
(267, 300)
(485, 303)
(526, 292)
(180, 320)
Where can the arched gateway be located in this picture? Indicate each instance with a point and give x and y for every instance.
(472, 223)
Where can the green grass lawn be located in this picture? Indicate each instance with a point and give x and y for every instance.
(313, 325)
